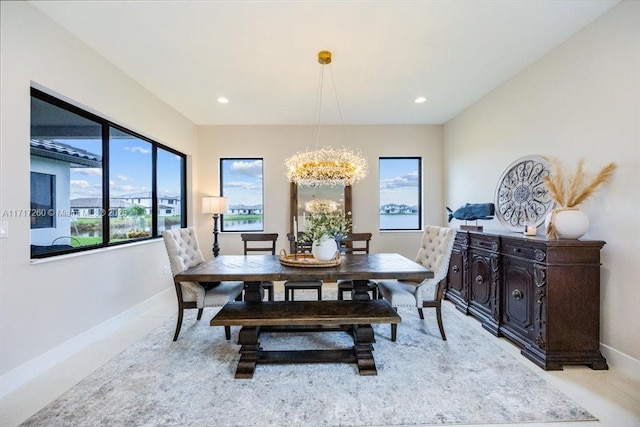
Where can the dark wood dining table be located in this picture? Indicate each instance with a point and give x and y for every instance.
(355, 315)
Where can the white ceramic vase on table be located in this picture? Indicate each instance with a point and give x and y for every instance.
(569, 223)
(324, 249)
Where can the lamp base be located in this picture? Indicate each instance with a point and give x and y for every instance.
(216, 246)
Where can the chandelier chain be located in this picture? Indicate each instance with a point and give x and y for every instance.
(335, 91)
(326, 166)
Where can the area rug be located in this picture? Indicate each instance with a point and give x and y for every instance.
(422, 380)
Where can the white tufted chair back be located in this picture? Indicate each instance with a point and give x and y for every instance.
(434, 254)
(184, 252)
(183, 249)
(435, 250)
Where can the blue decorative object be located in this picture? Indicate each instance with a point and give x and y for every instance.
(473, 211)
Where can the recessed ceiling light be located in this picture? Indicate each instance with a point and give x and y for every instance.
(420, 100)
(223, 100)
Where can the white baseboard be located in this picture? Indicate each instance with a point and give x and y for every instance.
(40, 364)
(621, 362)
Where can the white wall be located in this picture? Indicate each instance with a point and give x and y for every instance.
(275, 143)
(580, 100)
(44, 305)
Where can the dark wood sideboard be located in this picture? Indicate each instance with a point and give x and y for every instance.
(543, 295)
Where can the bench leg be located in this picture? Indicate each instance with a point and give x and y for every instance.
(363, 338)
(249, 352)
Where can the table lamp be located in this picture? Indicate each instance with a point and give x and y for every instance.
(215, 205)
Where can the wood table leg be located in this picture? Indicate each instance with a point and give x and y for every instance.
(253, 291)
(360, 290)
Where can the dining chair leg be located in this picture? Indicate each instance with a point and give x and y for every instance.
(179, 324)
(439, 317)
(271, 296)
(394, 331)
(320, 293)
(200, 310)
(227, 332)
(420, 313)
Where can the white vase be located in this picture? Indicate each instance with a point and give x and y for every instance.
(324, 249)
(569, 224)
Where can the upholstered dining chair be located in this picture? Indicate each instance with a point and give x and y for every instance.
(184, 252)
(261, 242)
(434, 254)
(298, 246)
(354, 243)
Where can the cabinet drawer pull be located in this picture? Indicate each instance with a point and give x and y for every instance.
(516, 294)
(456, 268)
(516, 250)
(479, 280)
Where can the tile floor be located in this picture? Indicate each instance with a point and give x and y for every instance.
(609, 395)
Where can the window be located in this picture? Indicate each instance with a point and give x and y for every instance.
(241, 184)
(105, 183)
(43, 187)
(400, 193)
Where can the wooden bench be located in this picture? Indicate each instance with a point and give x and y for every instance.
(305, 315)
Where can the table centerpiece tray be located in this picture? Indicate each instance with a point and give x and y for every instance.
(307, 260)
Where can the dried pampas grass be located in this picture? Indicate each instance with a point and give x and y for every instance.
(575, 192)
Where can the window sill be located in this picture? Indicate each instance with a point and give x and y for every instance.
(93, 251)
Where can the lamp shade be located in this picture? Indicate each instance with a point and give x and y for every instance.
(214, 205)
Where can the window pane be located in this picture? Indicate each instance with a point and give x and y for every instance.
(169, 183)
(66, 166)
(130, 197)
(400, 193)
(43, 187)
(241, 181)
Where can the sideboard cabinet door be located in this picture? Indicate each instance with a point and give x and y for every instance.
(457, 290)
(484, 280)
(519, 294)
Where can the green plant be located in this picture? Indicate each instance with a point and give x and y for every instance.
(321, 225)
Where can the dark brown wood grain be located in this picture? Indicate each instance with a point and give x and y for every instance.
(544, 295)
(354, 316)
(268, 267)
(305, 313)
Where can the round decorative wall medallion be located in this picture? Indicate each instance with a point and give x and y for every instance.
(521, 196)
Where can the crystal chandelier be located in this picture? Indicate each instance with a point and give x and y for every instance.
(321, 206)
(326, 166)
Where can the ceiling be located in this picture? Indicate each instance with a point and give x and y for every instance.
(262, 55)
